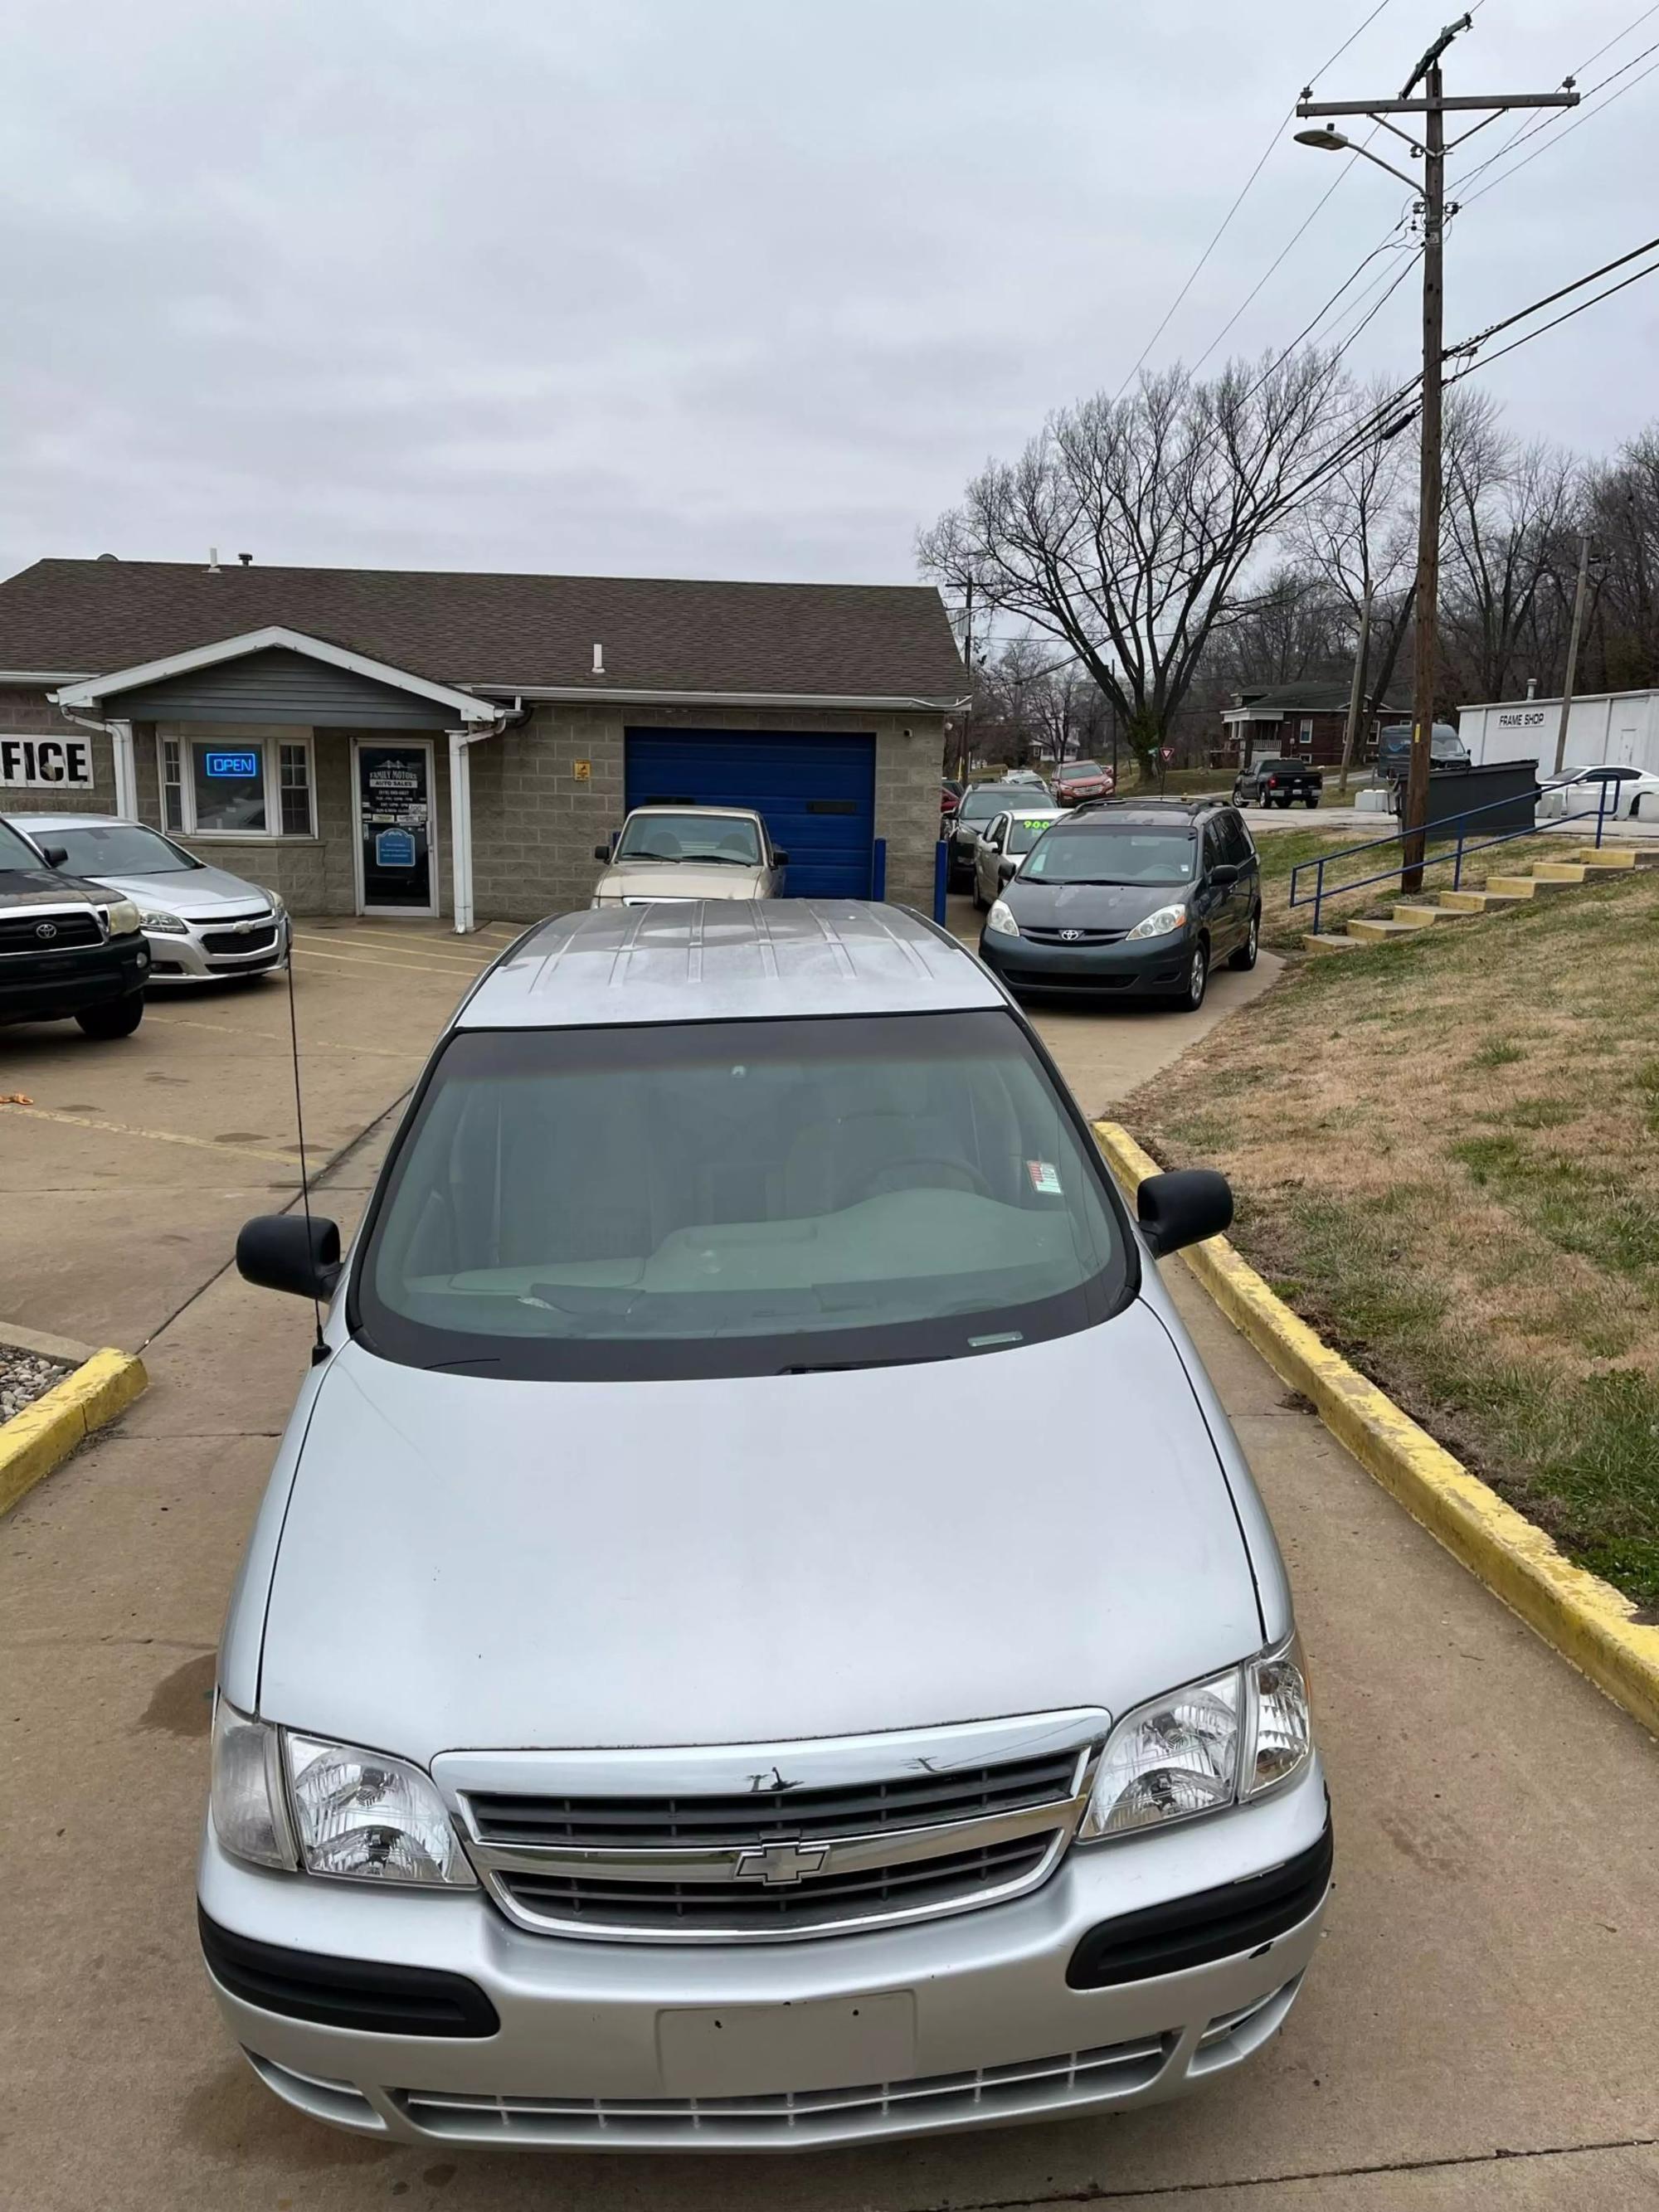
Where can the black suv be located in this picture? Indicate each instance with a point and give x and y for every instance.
(69, 949)
(1137, 898)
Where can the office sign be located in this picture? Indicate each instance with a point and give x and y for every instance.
(46, 763)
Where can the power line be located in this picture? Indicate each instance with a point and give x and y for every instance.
(1599, 108)
(1245, 191)
(1555, 321)
(1519, 136)
(1549, 299)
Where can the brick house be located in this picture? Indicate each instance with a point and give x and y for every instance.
(415, 742)
(1299, 721)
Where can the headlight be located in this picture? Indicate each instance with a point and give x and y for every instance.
(1000, 921)
(292, 1801)
(164, 924)
(1160, 924)
(1200, 1749)
(122, 916)
(277, 906)
(370, 1818)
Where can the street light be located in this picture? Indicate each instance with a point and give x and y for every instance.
(1333, 142)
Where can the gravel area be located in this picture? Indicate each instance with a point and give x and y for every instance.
(24, 1376)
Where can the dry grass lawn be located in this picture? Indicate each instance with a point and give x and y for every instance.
(1446, 1153)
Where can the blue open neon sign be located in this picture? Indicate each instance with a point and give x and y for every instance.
(239, 766)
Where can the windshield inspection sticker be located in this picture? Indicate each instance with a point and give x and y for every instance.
(1045, 1176)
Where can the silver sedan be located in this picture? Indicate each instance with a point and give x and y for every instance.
(1003, 844)
(200, 922)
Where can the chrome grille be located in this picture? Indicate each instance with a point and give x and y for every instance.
(1073, 936)
(800, 2116)
(761, 1816)
(656, 1907)
(765, 1842)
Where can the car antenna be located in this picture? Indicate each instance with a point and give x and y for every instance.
(320, 1343)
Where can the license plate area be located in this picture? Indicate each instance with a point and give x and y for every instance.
(824, 2043)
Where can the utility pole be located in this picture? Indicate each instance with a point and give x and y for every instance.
(1572, 647)
(1433, 105)
(1356, 692)
(968, 656)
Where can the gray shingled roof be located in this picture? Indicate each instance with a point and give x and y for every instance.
(91, 618)
(1308, 698)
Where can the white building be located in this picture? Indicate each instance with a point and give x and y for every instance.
(1603, 728)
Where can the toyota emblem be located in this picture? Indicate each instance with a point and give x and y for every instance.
(45, 931)
(1070, 936)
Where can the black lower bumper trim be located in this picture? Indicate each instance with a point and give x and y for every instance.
(1196, 1931)
(356, 1993)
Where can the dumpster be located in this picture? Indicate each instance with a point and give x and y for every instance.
(1507, 791)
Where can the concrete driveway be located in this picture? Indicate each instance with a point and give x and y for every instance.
(1481, 2030)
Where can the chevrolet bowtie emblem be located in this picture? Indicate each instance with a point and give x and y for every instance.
(780, 1862)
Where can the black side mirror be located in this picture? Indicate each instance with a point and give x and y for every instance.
(54, 855)
(1224, 873)
(780, 858)
(284, 1252)
(1007, 870)
(1183, 1209)
(602, 852)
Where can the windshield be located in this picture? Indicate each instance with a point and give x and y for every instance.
(120, 848)
(984, 800)
(702, 837)
(1023, 833)
(1126, 853)
(15, 851)
(736, 1198)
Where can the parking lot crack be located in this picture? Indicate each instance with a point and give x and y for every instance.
(1169, 2192)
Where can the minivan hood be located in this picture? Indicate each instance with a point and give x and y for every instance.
(1088, 906)
(471, 1564)
(678, 879)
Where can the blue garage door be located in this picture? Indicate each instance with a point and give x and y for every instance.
(818, 794)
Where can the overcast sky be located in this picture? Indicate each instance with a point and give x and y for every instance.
(705, 286)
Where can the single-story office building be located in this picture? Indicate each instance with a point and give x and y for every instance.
(412, 742)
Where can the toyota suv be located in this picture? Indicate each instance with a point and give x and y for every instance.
(629, 1733)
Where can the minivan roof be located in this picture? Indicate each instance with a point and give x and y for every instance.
(713, 960)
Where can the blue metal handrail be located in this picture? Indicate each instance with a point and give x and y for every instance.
(1320, 893)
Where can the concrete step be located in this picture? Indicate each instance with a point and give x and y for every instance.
(1559, 873)
(1478, 901)
(1423, 917)
(1323, 942)
(1646, 856)
(1379, 933)
(1610, 856)
(1511, 887)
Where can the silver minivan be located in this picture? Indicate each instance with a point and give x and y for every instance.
(634, 1730)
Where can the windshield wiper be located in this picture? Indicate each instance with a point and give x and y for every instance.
(720, 860)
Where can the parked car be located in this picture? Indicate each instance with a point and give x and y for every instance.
(720, 1765)
(1136, 898)
(949, 798)
(69, 951)
(677, 853)
(1003, 845)
(1277, 782)
(1028, 776)
(1394, 749)
(1631, 792)
(200, 922)
(980, 804)
(1079, 781)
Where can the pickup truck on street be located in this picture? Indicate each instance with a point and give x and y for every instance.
(1278, 783)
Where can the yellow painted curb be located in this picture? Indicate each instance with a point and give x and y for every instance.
(1586, 1620)
(36, 1440)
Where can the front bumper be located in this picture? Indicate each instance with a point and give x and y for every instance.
(197, 955)
(50, 987)
(1155, 966)
(964, 2021)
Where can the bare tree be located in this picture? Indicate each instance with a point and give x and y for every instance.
(1125, 529)
(1511, 513)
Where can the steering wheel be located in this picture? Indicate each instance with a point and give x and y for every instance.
(961, 1174)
